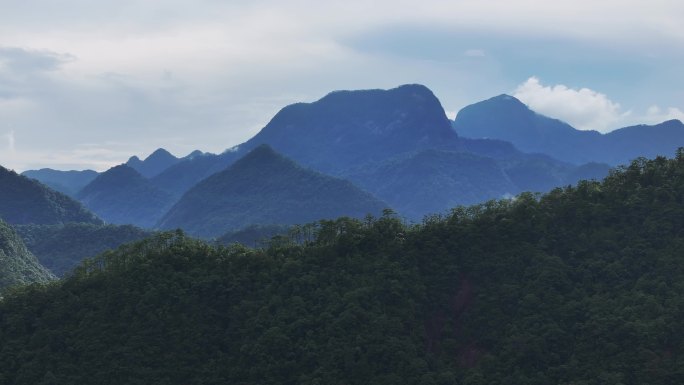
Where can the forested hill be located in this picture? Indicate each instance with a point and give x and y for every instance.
(17, 265)
(24, 200)
(584, 285)
(266, 188)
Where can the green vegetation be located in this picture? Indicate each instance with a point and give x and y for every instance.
(17, 265)
(24, 200)
(584, 285)
(60, 248)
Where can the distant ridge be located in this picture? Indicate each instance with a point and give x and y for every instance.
(67, 182)
(507, 118)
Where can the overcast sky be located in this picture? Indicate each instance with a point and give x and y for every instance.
(86, 84)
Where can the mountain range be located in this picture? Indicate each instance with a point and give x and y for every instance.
(507, 118)
(396, 144)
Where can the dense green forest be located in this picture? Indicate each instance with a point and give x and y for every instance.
(17, 265)
(61, 248)
(583, 285)
(24, 200)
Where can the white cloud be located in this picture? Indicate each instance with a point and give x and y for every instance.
(655, 114)
(582, 108)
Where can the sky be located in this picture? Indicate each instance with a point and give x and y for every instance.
(87, 84)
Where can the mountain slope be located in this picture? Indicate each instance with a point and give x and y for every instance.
(61, 248)
(433, 181)
(265, 188)
(584, 285)
(25, 201)
(67, 182)
(122, 196)
(154, 164)
(506, 118)
(17, 265)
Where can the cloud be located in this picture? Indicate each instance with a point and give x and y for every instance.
(655, 114)
(582, 108)
(19, 60)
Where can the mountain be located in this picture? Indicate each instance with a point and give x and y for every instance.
(17, 265)
(154, 164)
(584, 285)
(266, 188)
(67, 182)
(61, 248)
(506, 118)
(122, 196)
(344, 129)
(355, 132)
(24, 201)
(433, 181)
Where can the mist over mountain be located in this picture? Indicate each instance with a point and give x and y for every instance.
(122, 196)
(17, 265)
(67, 182)
(25, 201)
(506, 118)
(265, 188)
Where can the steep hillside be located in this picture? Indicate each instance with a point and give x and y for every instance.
(17, 265)
(67, 182)
(61, 248)
(266, 188)
(24, 201)
(122, 196)
(506, 118)
(584, 285)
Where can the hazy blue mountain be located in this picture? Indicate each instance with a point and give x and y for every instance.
(506, 118)
(24, 200)
(61, 248)
(154, 164)
(643, 141)
(122, 196)
(265, 188)
(67, 182)
(342, 130)
(433, 181)
(179, 178)
(350, 128)
(17, 265)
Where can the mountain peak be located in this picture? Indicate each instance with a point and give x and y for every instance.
(159, 153)
(331, 134)
(154, 164)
